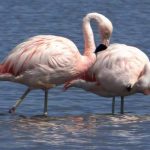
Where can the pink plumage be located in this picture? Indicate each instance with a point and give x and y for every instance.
(120, 70)
(45, 61)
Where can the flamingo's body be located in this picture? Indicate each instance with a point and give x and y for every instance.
(45, 61)
(120, 70)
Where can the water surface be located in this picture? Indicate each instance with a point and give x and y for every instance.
(77, 119)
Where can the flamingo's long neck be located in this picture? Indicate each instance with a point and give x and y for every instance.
(105, 29)
(89, 43)
(104, 26)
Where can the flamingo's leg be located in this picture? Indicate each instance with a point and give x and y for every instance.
(18, 102)
(113, 105)
(46, 103)
(122, 105)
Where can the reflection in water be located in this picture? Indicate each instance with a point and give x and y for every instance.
(125, 119)
(53, 130)
(76, 130)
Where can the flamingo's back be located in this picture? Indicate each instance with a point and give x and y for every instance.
(119, 66)
(45, 58)
(34, 51)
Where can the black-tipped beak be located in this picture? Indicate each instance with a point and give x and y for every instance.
(101, 47)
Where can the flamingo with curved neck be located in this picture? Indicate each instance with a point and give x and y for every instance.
(45, 61)
(119, 70)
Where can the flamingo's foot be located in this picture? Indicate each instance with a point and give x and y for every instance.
(45, 114)
(12, 110)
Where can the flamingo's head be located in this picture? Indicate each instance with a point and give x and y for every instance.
(105, 26)
(106, 31)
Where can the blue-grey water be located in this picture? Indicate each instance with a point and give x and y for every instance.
(77, 119)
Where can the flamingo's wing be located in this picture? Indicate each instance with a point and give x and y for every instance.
(51, 51)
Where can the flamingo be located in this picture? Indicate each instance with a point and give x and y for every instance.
(45, 61)
(119, 70)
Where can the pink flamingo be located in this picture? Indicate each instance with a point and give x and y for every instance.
(45, 61)
(119, 70)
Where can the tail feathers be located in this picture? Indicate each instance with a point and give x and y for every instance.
(1, 68)
(5, 76)
(4, 69)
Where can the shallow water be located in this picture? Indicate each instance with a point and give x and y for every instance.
(77, 119)
(72, 132)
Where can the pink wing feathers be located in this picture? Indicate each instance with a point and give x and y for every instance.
(41, 50)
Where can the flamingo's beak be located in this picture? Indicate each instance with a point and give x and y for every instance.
(101, 47)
